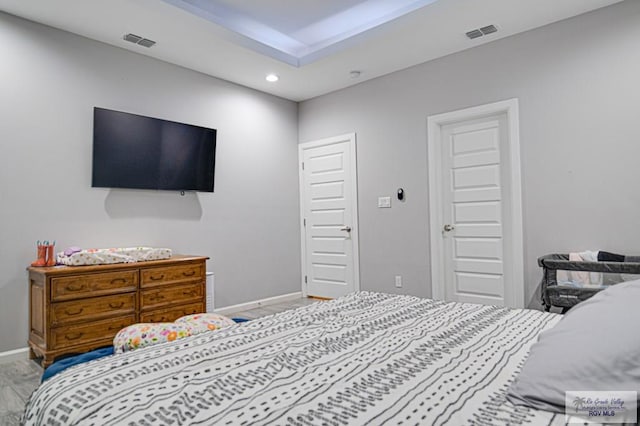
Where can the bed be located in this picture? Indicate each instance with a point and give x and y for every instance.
(366, 358)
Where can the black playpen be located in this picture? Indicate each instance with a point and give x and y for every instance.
(565, 282)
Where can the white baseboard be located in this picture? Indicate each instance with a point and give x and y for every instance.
(257, 303)
(14, 355)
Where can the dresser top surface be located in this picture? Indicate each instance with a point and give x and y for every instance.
(63, 269)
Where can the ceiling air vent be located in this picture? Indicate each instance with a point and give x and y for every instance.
(139, 40)
(474, 34)
(479, 32)
(488, 29)
(146, 42)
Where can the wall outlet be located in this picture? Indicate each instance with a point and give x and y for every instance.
(398, 281)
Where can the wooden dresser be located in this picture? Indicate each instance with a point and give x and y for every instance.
(75, 309)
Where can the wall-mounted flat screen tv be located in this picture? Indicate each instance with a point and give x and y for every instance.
(138, 152)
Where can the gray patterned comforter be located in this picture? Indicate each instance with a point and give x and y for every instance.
(366, 358)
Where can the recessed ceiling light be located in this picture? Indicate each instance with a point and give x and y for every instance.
(272, 78)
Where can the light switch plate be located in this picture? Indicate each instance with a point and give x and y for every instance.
(384, 202)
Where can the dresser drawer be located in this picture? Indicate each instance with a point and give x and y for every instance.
(93, 308)
(89, 285)
(79, 334)
(171, 274)
(171, 314)
(171, 295)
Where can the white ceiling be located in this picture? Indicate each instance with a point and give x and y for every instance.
(313, 45)
(298, 32)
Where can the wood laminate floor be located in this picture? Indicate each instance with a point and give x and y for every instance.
(18, 379)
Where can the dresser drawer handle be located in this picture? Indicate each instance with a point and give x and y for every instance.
(156, 278)
(73, 336)
(72, 287)
(156, 297)
(190, 293)
(116, 327)
(189, 274)
(69, 312)
(116, 305)
(118, 280)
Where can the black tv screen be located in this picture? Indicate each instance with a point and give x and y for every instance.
(134, 151)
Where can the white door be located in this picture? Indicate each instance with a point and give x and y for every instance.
(328, 204)
(476, 214)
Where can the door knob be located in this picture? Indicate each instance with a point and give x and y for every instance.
(346, 228)
(448, 228)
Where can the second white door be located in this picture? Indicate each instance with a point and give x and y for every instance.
(328, 196)
(476, 224)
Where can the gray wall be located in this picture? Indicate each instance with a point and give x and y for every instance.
(49, 83)
(578, 84)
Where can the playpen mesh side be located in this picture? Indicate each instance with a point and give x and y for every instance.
(554, 294)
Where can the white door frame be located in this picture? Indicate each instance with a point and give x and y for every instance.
(350, 138)
(515, 296)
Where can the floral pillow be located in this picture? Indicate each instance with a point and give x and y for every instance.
(146, 334)
(199, 323)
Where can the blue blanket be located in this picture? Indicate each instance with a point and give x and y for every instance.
(65, 363)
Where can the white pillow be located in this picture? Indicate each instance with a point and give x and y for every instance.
(595, 347)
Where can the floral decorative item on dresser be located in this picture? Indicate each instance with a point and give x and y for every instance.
(93, 256)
